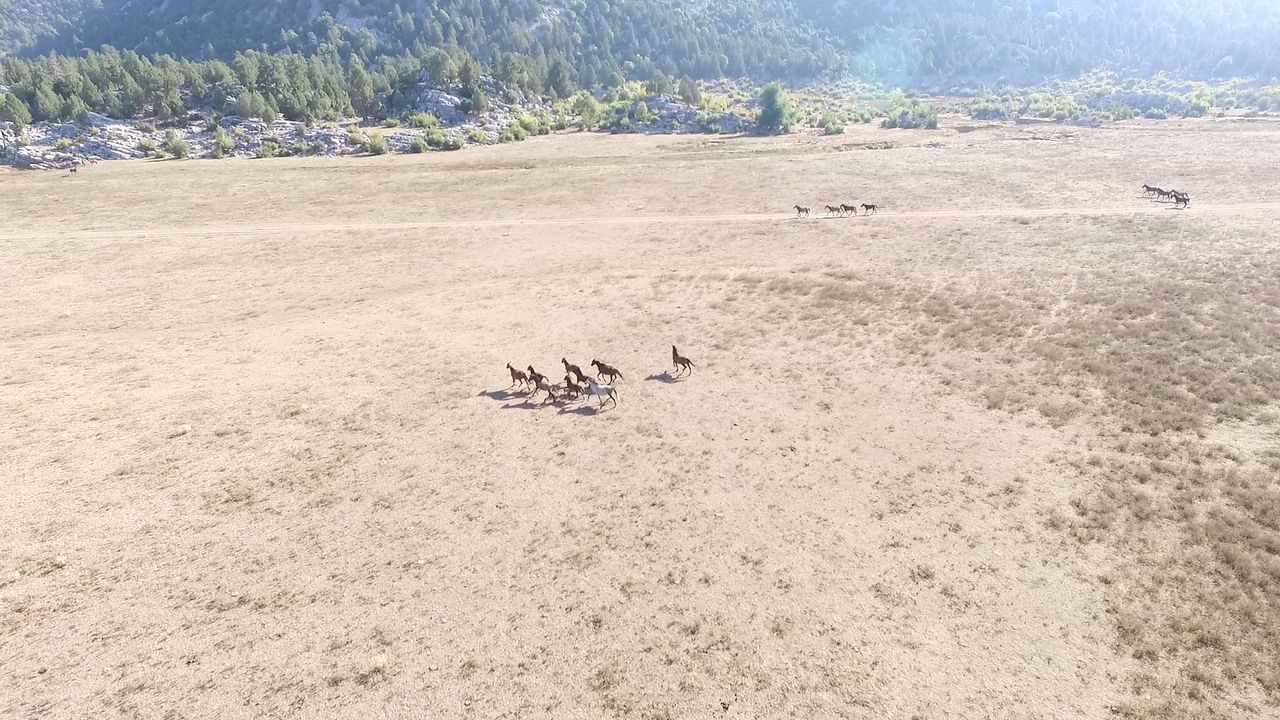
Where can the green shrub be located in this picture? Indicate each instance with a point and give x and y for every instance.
(1156, 114)
(147, 145)
(223, 143)
(268, 149)
(435, 138)
(391, 123)
(301, 148)
(417, 145)
(710, 121)
(531, 125)
(1198, 108)
(830, 125)
(147, 127)
(375, 144)
(478, 136)
(63, 144)
(916, 115)
(424, 120)
(513, 133)
(476, 103)
(587, 110)
(356, 136)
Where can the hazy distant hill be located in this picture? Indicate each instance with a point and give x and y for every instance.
(895, 40)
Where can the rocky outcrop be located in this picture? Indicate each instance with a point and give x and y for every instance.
(49, 145)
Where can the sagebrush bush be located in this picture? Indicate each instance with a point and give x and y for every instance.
(513, 133)
(424, 120)
(375, 144)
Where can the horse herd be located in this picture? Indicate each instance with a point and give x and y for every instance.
(577, 384)
(1178, 198)
(840, 210)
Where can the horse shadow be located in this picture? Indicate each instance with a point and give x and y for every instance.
(526, 405)
(583, 410)
(666, 377)
(504, 395)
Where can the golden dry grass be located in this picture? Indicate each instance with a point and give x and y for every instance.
(1008, 449)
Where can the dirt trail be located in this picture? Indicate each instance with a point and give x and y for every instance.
(886, 215)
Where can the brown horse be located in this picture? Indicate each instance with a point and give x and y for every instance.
(574, 369)
(518, 376)
(681, 362)
(605, 370)
(536, 377)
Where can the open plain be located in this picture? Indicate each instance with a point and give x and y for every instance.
(1006, 449)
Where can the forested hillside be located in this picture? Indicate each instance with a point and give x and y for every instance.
(900, 41)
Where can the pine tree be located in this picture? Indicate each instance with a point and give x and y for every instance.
(776, 115)
(560, 78)
(659, 84)
(689, 91)
(14, 110)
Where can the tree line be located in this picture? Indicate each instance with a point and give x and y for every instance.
(181, 56)
(596, 42)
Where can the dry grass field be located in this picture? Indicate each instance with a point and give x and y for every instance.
(1007, 449)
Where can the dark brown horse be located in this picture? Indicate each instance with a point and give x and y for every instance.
(681, 362)
(574, 369)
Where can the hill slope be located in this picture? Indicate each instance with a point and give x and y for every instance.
(909, 41)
